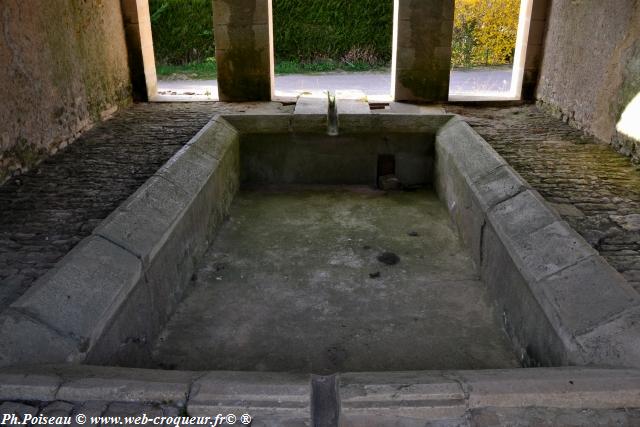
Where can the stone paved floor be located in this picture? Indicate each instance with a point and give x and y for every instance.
(595, 189)
(46, 211)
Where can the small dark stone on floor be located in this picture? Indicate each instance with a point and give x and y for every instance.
(388, 258)
(366, 247)
(374, 275)
(413, 233)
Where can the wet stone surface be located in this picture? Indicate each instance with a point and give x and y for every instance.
(594, 189)
(294, 282)
(47, 211)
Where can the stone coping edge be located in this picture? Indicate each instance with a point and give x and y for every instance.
(105, 301)
(560, 302)
(423, 395)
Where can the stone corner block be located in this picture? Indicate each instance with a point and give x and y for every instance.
(25, 341)
(470, 153)
(141, 223)
(215, 137)
(84, 291)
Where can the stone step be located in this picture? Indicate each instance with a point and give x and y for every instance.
(364, 398)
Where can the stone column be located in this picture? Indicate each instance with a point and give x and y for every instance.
(244, 49)
(422, 31)
(137, 26)
(535, 46)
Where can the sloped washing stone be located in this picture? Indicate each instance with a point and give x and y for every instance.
(124, 389)
(615, 342)
(141, 222)
(583, 296)
(521, 215)
(549, 250)
(472, 155)
(189, 169)
(523, 318)
(214, 139)
(24, 340)
(272, 399)
(552, 387)
(84, 291)
(25, 386)
(399, 398)
(497, 186)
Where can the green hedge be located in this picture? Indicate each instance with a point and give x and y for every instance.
(312, 29)
(304, 30)
(182, 30)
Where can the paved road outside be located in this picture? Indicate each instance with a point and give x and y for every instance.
(468, 81)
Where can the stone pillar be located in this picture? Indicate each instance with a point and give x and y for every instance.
(244, 49)
(422, 31)
(535, 47)
(137, 26)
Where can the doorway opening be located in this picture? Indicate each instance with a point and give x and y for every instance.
(488, 49)
(337, 45)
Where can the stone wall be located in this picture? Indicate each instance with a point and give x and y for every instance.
(63, 66)
(591, 67)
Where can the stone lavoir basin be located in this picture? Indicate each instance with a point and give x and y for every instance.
(266, 251)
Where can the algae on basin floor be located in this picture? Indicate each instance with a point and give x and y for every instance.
(293, 283)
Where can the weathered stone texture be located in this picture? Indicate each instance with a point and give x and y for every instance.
(593, 188)
(63, 66)
(48, 210)
(244, 49)
(423, 56)
(591, 67)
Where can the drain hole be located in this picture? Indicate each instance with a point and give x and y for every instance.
(386, 170)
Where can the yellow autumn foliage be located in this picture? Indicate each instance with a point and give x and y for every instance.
(484, 32)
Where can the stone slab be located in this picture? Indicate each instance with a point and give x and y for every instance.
(141, 223)
(351, 102)
(23, 340)
(396, 398)
(585, 295)
(214, 138)
(270, 398)
(312, 103)
(26, 386)
(84, 291)
(616, 342)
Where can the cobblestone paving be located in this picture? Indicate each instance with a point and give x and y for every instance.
(47, 211)
(595, 189)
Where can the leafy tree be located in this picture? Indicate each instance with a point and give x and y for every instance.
(484, 32)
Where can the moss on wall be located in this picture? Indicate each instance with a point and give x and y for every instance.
(591, 67)
(62, 66)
